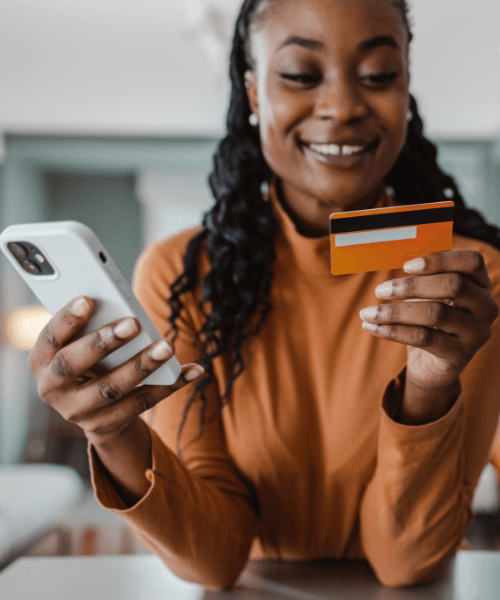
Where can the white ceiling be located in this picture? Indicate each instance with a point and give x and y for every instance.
(131, 68)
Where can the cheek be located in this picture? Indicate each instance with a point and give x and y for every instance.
(281, 110)
(393, 111)
(279, 116)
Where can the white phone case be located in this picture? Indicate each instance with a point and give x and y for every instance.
(82, 266)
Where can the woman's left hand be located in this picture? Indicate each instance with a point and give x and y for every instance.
(441, 338)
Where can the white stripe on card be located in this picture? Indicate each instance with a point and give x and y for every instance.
(371, 237)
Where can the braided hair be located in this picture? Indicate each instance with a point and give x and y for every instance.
(238, 231)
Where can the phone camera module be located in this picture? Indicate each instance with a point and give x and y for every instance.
(18, 251)
(30, 258)
(31, 267)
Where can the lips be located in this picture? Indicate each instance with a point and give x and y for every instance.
(341, 148)
(342, 153)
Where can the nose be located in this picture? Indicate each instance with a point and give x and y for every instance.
(341, 101)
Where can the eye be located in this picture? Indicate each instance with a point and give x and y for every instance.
(302, 78)
(380, 78)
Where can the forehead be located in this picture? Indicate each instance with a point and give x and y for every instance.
(340, 24)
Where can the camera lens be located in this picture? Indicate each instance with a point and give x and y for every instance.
(31, 267)
(18, 250)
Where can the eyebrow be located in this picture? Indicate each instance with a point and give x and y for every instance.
(365, 46)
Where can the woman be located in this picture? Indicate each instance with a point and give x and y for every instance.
(313, 432)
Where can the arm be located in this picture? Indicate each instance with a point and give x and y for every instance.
(417, 506)
(197, 515)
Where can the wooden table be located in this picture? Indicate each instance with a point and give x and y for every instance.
(468, 576)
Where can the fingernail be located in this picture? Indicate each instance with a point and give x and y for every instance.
(160, 350)
(79, 307)
(417, 264)
(369, 326)
(194, 373)
(384, 290)
(125, 328)
(369, 313)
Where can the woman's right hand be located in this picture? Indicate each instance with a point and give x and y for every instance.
(102, 405)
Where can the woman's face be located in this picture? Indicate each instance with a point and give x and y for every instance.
(330, 88)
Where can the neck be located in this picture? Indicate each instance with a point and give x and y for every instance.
(315, 222)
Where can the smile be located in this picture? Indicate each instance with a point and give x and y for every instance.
(341, 155)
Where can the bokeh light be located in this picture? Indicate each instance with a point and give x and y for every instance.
(23, 326)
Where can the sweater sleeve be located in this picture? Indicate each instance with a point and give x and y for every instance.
(198, 515)
(418, 504)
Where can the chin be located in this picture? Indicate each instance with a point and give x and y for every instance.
(342, 197)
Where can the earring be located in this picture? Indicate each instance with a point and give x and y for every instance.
(449, 193)
(264, 190)
(409, 115)
(253, 119)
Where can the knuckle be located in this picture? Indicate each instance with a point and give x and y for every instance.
(457, 283)
(476, 260)
(439, 259)
(436, 313)
(410, 285)
(141, 368)
(424, 337)
(145, 401)
(390, 331)
(70, 322)
(102, 339)
(392, 312)
(61, 367)
(109, 392)
(49, 338)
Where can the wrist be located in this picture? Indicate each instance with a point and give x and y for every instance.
(422, 405)
(125, 458)
(135, 431)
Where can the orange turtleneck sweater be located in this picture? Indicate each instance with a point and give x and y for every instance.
(305, 461)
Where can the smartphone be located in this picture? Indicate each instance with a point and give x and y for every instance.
(61, 260)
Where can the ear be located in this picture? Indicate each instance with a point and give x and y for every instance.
(251, 88)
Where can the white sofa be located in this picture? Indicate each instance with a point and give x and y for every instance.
(32, 498)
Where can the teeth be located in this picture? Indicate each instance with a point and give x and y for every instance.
(335, 150)
(331, 149)
(347, 150)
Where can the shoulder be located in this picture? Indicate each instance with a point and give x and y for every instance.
(164, 258)
(161, 263)
(490, 254)
(156, 269)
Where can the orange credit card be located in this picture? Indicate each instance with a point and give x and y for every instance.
(380, 239)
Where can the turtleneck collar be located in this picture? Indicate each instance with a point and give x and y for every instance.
(310, 255)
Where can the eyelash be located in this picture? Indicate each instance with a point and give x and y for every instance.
(379, 79)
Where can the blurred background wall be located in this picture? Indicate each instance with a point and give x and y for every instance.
(110, 111)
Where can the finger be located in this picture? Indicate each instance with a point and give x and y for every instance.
(115, 416)
(61, 328)
(469, 262)
(433, 314)
(438, 343)
(71, 361)
(459, 288)
(122, 380)
(190, 373)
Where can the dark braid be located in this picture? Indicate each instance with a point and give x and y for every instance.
(238, 232)
(417, 178)
(238, 237)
